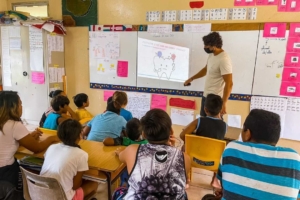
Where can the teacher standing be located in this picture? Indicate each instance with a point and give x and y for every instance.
(218, 71)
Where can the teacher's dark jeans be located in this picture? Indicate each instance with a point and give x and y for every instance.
(202, 112)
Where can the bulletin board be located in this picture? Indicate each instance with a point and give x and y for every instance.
(32, 84)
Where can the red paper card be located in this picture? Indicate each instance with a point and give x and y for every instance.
(122, 70)
(107, 94)
(159, 101)
(181, 103)
(274, 30)
(293, 45)
(291, 74)
(292, 60)
(288, 5)
(196, 4)
(290, 89)
(294, 30)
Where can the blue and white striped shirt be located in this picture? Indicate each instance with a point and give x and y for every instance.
(258, 171)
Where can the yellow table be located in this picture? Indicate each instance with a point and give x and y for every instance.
(103, 162)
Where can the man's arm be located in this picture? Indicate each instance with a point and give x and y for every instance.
(227, 91)
(200, 74)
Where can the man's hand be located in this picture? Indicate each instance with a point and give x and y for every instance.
(223, 111)
(187, 82)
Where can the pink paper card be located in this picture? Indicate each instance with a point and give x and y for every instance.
(282, 5)
(122, 70)
(290, 89)
(159, 101)
(266, 2)
(244, 2)
(274, 30)
(293, 45)
(107, 94)
(292, 60)
(38, 77)
(293, 6)
(291, 74)
(294, 30)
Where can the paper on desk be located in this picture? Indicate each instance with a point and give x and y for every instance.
(234, 121)
(181, 117)
(138, 103)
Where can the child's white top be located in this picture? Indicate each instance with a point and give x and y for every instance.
(13, 131)
(62, 162)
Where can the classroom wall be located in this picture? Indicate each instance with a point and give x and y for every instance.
(133, 12)
(3, 5)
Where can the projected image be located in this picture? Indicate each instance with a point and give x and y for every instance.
(162, 61)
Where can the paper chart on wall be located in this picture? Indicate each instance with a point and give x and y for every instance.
(292, 125)
(15, 31)
(138, 103)
(36, 49)
(182, 117)
(104, 45)
(272, 104)
(157, 60)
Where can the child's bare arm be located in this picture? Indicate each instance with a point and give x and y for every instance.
(109, 142)
(86, 130)
(77, 180)
(189, 129)
(187, 164)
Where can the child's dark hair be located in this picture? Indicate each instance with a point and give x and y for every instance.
(55, 93)
(112, 106)
(156, 125)
(213, 104)
(213, 39)
(69, 131)
(80, 99)
(59, 101)
(133, 129)
(264, 126)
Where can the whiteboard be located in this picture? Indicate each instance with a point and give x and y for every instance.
(127, 52)
(240, 45)
(269, 65)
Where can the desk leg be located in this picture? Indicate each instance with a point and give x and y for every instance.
(108, 176)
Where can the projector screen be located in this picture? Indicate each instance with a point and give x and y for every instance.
(157, 60)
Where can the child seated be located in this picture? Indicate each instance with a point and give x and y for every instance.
(82, 101)
(256, 168)
(123, 100)
(212, 125)
(50, 110)
(108, 124)
(133, 135)
(60, 105)
(66, 162)
(158, 170)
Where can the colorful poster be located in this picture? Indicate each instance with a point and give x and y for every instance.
(292, 60)
(288, 5)
(274, 30)
(107, 67)
(290, 89)
(294, 30)
(291, 74)
(293, 45)
(157, 60)
(159, 101)
(122, 69)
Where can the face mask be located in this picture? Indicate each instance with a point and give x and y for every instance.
(207, 50)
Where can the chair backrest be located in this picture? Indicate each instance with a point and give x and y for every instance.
(204, 152)
(36, 187)
(85, 121)
(48, 131)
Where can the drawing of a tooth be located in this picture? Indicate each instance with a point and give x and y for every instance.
(164, 66)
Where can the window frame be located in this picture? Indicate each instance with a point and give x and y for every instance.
(31, 4)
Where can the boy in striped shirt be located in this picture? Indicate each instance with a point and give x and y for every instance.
(256, 168)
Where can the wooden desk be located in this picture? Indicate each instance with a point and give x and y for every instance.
(102, 160)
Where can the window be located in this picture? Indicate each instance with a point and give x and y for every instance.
(37, 9)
